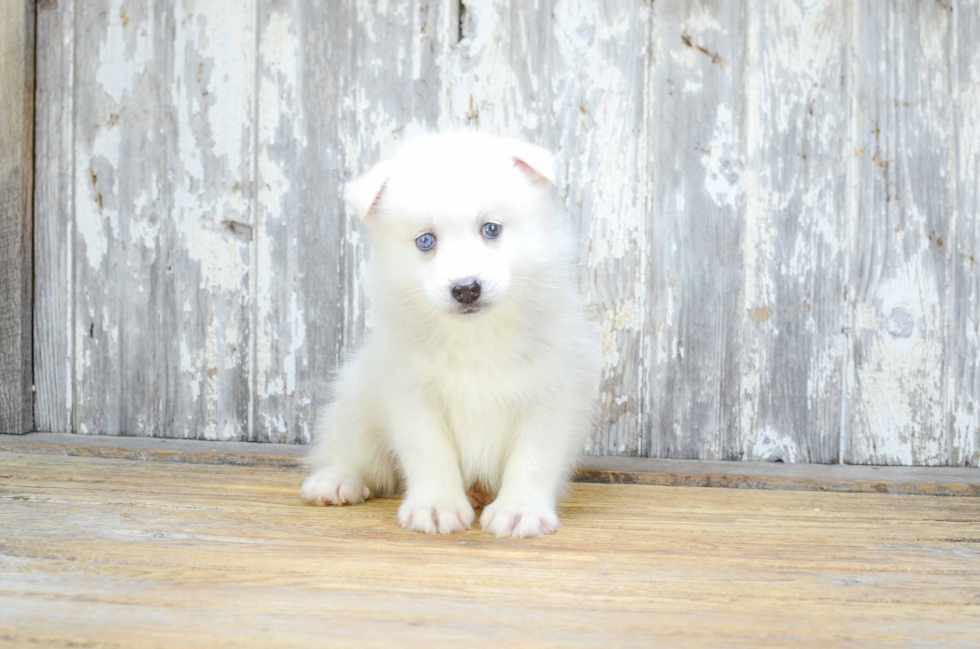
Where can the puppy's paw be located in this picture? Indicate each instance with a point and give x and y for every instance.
(435, 516)
(519, 520)
(334, 486)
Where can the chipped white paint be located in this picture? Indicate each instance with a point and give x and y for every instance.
(135, 46)
(98, 211)
(772, 445)
(793, 250)
(723, 178)
(900, 242)
(759, 189)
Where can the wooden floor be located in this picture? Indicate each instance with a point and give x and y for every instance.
(118, 553)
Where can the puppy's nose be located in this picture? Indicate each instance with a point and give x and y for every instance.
(466, 290)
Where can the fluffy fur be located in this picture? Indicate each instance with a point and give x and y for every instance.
(459, 405)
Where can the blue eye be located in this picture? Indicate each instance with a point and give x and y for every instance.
(425, 241)
(491, 230)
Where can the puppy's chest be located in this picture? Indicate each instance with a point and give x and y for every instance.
(480, 384)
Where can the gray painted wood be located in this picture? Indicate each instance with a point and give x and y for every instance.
(945, 481)
(697, 164)
(963, 352)
(163, 212)
(54, 205)
(795, 217)
(16, 214)
(760, 190)
(903, 195)
(338, 84)
(299, 241)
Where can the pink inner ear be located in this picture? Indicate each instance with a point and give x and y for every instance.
(528, 170)
(377, 199)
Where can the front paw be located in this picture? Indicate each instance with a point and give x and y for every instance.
(334, 486)
(435, 515)
(519, 520)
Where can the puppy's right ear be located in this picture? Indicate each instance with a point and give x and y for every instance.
(365, 192)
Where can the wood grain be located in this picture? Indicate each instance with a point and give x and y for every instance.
(697, 165)
(795, 216)
(111, 553)
(162, 173)
(338, 85)
(16, 214)
(963, 350)
(904, 172)
(54, 206)
(929, 481)
(299, 243)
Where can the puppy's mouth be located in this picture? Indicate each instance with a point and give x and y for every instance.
(470, 309)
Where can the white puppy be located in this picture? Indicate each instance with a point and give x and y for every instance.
(477, 381)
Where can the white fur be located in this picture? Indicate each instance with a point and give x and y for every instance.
(458, 407)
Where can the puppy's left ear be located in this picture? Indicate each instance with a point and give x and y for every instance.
(533, 161)
(364, 192)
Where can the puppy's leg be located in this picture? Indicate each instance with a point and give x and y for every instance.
(541, 458)
(435, 501)
(348, 458)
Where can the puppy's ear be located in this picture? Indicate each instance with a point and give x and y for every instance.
(536, 163)
(364, 192)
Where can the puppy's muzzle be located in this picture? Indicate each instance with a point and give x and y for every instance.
(466, 291)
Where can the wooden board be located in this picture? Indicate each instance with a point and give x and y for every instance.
(54, 206)
(795, 220)
(963, 350)
(16, 215)
(163, 177)
(904, 173)
(299, 242)
(930, 481)
(107, 553)
(697, 165)
(337, 85)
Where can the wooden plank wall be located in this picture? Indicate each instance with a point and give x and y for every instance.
(16, 219)
(777, 205)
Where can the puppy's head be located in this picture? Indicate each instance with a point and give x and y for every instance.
(459, 221)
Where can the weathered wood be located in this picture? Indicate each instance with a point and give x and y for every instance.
(163, 211)
(16, 214)
(697, 165)
(103, 553)
(903, 192)
(300, 153)
(776, 203)
(338, 84)
(54, 219)
(152, 449)
(928, 481)
(963, 344)
(795, 217)
(921, 481)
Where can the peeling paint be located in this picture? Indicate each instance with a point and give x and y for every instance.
(763, 264)
(770, 445)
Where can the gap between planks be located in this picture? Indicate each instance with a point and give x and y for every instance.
(931, 481)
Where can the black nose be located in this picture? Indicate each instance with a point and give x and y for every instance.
(466, 290)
